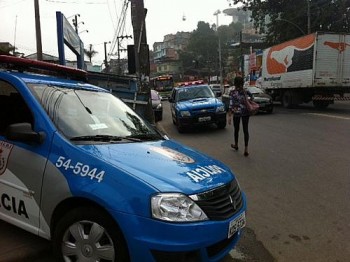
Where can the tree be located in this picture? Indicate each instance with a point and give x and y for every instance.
(90, 53)
(203, 44)
(201, 56)
(282, 20)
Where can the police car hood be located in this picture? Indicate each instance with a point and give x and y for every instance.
(165, 165)
(198, 103)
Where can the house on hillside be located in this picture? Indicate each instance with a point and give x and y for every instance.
(165, 55)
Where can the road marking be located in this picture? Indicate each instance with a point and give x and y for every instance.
(328, 115)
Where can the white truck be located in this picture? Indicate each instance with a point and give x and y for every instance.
(315, 67)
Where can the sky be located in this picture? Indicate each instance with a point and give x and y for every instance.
(98, 20)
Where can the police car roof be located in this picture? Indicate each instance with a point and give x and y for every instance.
(19, 64)
(31, 78)
(35, 72)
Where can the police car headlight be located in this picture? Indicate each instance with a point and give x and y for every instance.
(185, 113)
(176, 207)
(220, 109)
(159, 106)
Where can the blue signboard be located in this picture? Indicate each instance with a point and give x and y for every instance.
(67, 35)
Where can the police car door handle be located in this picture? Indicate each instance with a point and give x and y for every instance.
(23, 189)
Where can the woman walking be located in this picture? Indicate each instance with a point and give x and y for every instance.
(239, 110)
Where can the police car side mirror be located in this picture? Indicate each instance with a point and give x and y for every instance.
(218, 94)
(23, 132)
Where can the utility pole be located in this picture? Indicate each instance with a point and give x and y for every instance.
(138, 14)
(106, 63)
(220, 60)
(39, 48)
(75, 23)
(241, 49)
(118, 45)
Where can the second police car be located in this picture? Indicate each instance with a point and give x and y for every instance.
(195, 104)
(79, 167)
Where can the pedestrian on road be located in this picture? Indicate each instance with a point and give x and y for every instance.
(238, 109)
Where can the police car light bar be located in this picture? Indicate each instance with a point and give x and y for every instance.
(191, 83)
(23, 64)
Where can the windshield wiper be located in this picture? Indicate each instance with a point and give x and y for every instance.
(103, 138)
(182, 99)
(145, 137)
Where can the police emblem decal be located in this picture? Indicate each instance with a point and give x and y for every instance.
(173, 154)
(5, 150)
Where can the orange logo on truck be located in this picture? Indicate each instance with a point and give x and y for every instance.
(280, 57)
(338, 46)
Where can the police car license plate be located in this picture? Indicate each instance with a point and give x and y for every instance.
(236, 225)
(204, 119)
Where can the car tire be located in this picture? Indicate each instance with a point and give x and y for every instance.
(221, 125)
(270, 110)
(180, 128)
(87, 233)
(158, 118)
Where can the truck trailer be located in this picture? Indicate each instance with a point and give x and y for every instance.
(314, 67)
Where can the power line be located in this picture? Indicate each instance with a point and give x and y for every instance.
(120, 26)
(11, 3)
(76, 2)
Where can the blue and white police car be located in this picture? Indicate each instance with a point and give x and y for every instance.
(79, 167)
(195, 104)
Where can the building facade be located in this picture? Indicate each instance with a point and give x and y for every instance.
(165, 55)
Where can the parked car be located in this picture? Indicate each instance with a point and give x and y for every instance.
(216, 89)
(79, 167)
(194, 105)
(225, 98)
(157, 105)
(260, 97)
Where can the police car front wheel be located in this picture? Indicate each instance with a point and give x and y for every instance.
(87, 234)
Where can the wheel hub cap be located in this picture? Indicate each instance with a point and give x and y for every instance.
(87, 250)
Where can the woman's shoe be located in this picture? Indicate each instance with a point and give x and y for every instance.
(246, 153)
(234, 147)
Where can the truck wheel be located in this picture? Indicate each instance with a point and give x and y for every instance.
(287, 99)
(87, 234)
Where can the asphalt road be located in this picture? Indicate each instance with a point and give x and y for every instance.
(296, 178)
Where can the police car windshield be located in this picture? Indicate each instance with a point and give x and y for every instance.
(194, 92)
(91, 115)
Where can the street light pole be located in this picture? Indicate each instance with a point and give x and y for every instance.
(217, 12)
(308, 17)
(285, 20)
